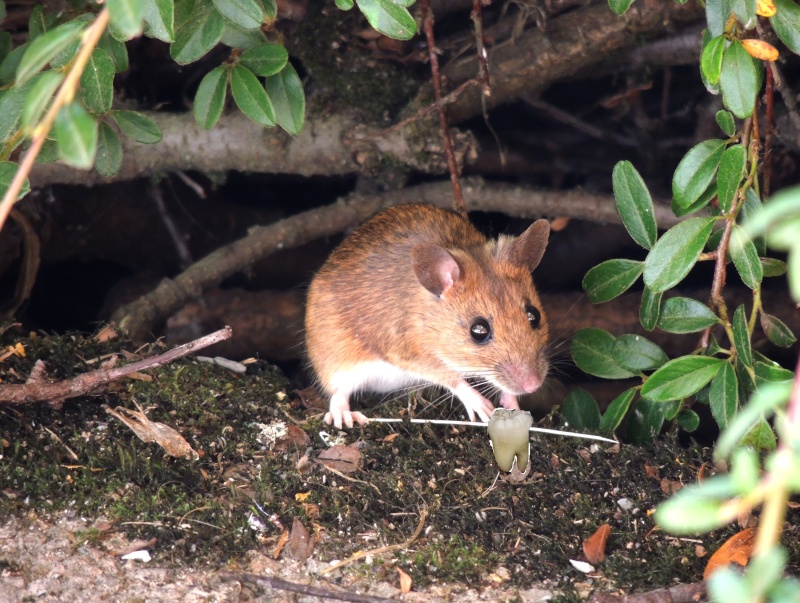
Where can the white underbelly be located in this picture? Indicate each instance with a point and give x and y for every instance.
(375, 376)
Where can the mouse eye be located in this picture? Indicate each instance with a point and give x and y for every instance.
(480, 330)
(534, 316)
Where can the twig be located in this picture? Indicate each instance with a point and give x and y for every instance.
(769, 126)
(31, 259)
(483, 65)
(172, 229)
(303, 589)
(680, 593)
(38, 390)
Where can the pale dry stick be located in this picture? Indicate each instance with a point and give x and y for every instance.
(64, 95)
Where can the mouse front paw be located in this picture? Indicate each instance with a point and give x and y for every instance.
(339, 417)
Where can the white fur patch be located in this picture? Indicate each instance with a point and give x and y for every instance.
(376, 376)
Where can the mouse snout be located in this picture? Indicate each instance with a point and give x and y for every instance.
(525, 379)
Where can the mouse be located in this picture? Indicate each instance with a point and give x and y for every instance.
(417, 296)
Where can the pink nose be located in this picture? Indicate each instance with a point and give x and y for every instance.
(526, 379)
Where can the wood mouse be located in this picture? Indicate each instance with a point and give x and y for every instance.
(416, 295)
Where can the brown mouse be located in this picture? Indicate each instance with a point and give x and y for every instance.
(416, 295)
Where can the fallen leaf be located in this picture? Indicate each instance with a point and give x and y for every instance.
(301, 543)
(700, 551)
(284, 538)
(146, 430)
(737, 549)
(302, 496)
(669, 486)
(310, 399)
(594, 547)
(405, 581)
(140, 377)
(107, 333)
(136, 545)
(343, 459)
(294, 439)
(390, 438)
(581, 566)
(652, 471)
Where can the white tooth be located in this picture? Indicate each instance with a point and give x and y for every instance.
(509, 435)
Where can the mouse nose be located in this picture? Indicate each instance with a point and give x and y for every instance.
(526, 379)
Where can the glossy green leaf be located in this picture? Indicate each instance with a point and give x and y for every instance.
(285, 90)
(760, 437)
(48, 152)
(97, 82)
(247, 14)
(786, 23)
(738, 81)
(717, 13)
(265, 60)
(772, 267)
(198, 28)
(591, 351)
(776, 331)
(763, 403)
(780, 209)
(6, 44)
(650, 308)
(210, 98)
(702, 201)
(724, 395)
(116, 50)
(8, 68)
(616, 411)
(345, 4)
(711, 59)
(580, 411)
(127, 16)
(675, 253)
(634, 204)
(672, 408)
(772, 372)
(159, 16)
(741, 337)
(39, 22)
(644, 422)
(696, 171)
(11, 104)
(250, 96)
(389, 18)
(619, 7)
(636, 353)
(109, 151)
(76, 135)
(688, 420)
(685, 315)
(679, 516)
(745, 11)
(243, 39)
(745, 258)
(138, 127)
(680, 378)
(731, 171)
(44, 48)
(39, 96)
(270, 8)
(8, 169)
(611, 279)
(725, 120)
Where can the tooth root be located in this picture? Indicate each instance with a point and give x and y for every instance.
(508, 432)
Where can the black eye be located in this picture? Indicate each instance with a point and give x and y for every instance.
(480, 330)
(534, 316)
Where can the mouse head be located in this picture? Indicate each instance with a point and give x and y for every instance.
(487, 316)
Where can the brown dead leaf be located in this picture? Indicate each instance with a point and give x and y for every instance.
(310, 399)
(652, 471)
(737, 549)
(669, 486)
(284, 538)
(107, 333)
(594, 547)
(295, 439)
(310, 510)
(140, 377)
(560, 223)
(301, 543)
(792, 505)
(343, 459)
(405, 581)
(700, 551)
(555, 462)
(146, 430)
(390, 438)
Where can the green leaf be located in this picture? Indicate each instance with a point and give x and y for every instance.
(127, 16)
(745, 258)
(776, 331)
(285, 90)
(11, 104)
(270, 8)
(48, 152)
(680, 378)
(725, 584)
(39, 22)
(637, 353)
(634, 204)
(724, 395)
(702, 201)
(345, 4)
(619, 7)
(675, 253)
(711, 59)
(679, 516)
(611, 279)
(198, 28)
(210, 98)
(717, 13)
(760, 437)
(97, 82)
(772, 372)
(731, 171)
(159, 16)
(6, 43)
(725, 120)
(688, 420)
(696, 170)
(76, 135)
(247, 14)
(741, 337)
(616, 411)
(784, 206)
(38, 98)
(786, 23)
(752, 205)
(44, 48)
(109, 151)
(745, 470)
(116, 50)
(685, 315)
(138, 127)
(645, 422)
(591, 351)
(772, 267)
(250, 96)
(8, 169)
(243, 39)
(672, 408)
(738, 81)
(580, 411)
(8, 68)
(745, 11)
(650, 309)
(265, 60)
(764, 401)
(388, 18)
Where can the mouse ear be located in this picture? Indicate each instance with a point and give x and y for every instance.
(528, 248)
(435, 268)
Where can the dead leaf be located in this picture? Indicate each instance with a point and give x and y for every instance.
(284, 538)
(390, 438)
(594, 547)
(140, 377)
(555, 462)
(669, 486)
(652, 471)
(700, 551)
(146, 430)
(405, 581)
(310, 510)
(302, 496)
(301, 543)
(310, 399)
(737, 549)
(107, 333)
(295, 439)
(343, 459)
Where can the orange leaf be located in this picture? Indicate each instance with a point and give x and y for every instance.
(737, 549)
(405, 581)
(765, 8)
(759, 49)
(594, 547)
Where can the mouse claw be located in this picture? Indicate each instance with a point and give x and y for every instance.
(346, 418)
